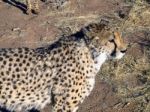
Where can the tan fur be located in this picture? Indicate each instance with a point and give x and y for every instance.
(119, 41)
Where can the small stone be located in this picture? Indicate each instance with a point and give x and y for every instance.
(16, 29)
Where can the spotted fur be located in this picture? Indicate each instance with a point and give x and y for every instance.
(62, 73)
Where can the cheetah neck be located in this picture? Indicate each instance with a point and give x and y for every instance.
(98, 56)
(99, 60)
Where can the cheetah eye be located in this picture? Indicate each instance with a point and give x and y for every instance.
(111, 40)
(123, 51)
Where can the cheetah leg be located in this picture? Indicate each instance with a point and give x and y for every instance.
(64, 103)
(29, 6)
(36, 7)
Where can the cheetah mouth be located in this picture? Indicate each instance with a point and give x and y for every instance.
(116, 55)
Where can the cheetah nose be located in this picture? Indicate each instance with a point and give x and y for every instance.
(123, 51)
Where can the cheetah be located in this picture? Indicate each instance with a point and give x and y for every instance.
(62, 73)
(33, 8)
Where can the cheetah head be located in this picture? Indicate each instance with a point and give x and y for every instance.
(105, 41)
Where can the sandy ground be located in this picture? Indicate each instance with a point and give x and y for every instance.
(121, 87)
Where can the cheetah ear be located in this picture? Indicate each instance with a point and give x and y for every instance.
(87, 32)
(104, 22)
(93, 30)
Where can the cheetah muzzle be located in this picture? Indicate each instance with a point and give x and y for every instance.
(63, 71)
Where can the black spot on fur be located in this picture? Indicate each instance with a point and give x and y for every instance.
(1, 58)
